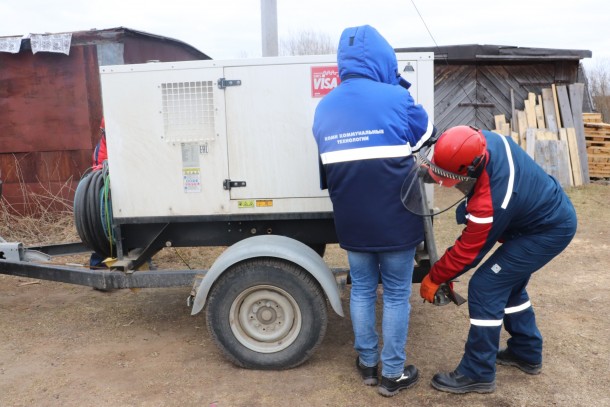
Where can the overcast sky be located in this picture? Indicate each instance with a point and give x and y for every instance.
(228, 29)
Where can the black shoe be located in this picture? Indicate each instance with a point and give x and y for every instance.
(369, 374)
(454, 382)
(390, 387)
(506, 357)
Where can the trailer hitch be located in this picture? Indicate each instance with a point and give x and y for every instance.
(14, 251)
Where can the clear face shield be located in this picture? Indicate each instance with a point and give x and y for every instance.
(429, 190)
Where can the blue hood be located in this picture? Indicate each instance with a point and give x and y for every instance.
(364, 52)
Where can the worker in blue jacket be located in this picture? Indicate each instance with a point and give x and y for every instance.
(514, 202)
(366, 130)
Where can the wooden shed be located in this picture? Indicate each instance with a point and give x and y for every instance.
(473, 83)
(51, 107)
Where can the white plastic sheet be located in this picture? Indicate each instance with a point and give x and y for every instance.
(59, 43)
(10, 44)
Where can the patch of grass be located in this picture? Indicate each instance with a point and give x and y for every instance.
(34, 229)
(41, 226)
(41, 217)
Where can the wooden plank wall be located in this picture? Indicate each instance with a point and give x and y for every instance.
(551, 130)
(453, 86)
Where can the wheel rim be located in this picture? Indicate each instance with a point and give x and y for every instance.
(265, 319)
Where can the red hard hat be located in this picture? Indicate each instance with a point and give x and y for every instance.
(460, 150)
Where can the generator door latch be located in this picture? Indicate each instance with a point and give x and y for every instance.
(223, 83)
(228, 184)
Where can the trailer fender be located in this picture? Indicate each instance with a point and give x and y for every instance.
(275, 246)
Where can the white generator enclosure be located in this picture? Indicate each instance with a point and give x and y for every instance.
(219, 142)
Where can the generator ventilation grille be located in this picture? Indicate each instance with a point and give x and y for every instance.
(188, 111)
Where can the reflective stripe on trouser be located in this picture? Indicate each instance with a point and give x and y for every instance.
(525, 340)
(500, 284)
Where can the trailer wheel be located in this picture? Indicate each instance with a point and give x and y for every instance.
(267, 314)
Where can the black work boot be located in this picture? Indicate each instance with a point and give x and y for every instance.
(369, 374)
(391, 386)
(506, 357)
(455, 382)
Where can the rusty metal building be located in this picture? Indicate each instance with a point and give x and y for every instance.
(51, 107)
(472, 83)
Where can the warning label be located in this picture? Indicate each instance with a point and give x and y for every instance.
(191, 180)
(245, 204)
(323, 80)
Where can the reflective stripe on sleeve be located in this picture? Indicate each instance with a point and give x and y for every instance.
(512, 310)
(486, 322)
(425, 137)
(480, 220)
(511, 176)
(365, 153)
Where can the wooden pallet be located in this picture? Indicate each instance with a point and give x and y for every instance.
(592, 117)
(597, 136)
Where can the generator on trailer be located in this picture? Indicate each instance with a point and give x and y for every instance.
(220, 153)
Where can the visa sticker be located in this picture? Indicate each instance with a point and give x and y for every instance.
(323, 80)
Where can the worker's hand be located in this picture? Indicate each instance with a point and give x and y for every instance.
(428, 289)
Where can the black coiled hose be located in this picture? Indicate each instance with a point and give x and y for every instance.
(93, 212)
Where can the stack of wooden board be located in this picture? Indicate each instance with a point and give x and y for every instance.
(597, 135)
(551, 129)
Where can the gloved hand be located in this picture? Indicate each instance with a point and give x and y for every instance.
(428, 289)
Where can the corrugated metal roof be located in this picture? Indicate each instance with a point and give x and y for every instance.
(118, 34)
(472, 52)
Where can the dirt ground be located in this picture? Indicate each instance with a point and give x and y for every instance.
(66, 345)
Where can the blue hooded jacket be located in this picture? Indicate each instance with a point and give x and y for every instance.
(366, 130)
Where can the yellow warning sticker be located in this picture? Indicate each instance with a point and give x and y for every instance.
(264, 203)
(245, 204)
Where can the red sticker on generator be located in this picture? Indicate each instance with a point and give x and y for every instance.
(323, 80)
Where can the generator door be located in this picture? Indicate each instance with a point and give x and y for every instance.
(270, 142)
(166, 142)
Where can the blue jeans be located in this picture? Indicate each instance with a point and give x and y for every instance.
(396, 271)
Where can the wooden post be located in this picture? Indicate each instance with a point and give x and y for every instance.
(549, 109)
(522, 123)
(530, 142)
(512, 111)
(556, 103)
(540, 114)
(570, 136)
(530, 111)
(576, 91)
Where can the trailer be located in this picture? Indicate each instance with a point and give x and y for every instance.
(220, 153)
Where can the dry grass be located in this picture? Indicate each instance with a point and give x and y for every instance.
(48, 219)
(41, 217)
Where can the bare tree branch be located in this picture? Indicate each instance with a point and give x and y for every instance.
(599, 84)
(307, 42)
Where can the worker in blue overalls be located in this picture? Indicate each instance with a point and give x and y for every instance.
(514, 202)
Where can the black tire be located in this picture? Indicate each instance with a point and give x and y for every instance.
(267, 314)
